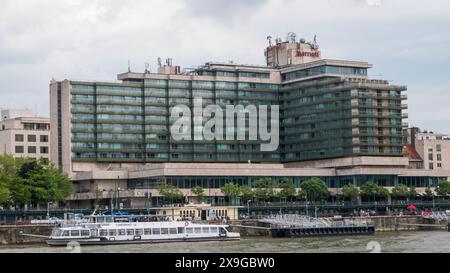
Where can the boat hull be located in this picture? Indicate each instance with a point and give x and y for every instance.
(85, 242)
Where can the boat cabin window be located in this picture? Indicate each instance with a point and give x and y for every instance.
(112, 232)
(85, 233)
(198, 230)
(148, 231)
(213, 229)
(100, 219)
(130, 231)
(66, 233)
(173, 231)
(122, 232)
(138, 232)
(180, 230)
(103, 232)
(121, 220)
(164, 231)
(205, 230)
(156, 231)
(75, 233)
(222, 230)
(189, 230)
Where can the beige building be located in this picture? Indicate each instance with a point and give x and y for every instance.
(434, 149)
(22, 134)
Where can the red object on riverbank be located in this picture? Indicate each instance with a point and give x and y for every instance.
(411, 207)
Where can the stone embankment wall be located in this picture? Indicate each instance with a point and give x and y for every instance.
(381, 223)
(12, 234)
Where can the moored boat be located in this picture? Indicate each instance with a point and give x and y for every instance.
(111, 229)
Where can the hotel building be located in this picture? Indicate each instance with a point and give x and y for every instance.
(335, 123)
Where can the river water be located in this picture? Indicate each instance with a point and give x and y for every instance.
(409, 242)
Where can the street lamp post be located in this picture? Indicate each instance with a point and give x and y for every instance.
(248, 208)
(48, 210)
(306, 204)
(118, 198)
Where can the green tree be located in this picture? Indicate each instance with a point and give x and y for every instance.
(15, 186)
(400, 191)
(48, 183)
(412, 193)
(429, 192)
(263, 188)
(247, 193)
(443, 188)
(372, 191)
(288, 189)
(350, 192)
(199, 192)
(5, 195)
(231, 190)
(170, 193)
(315, 189)
(25, 180)
(383, 193)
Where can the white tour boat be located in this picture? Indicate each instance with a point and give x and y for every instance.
(128, 229)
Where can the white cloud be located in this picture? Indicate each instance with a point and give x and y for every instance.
(93, 39)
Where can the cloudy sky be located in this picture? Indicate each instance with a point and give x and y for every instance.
(406, 40)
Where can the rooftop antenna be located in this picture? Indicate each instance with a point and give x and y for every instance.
(269, 38)
(129, 66)
(159, 62)
(292, 37)
(147, 66)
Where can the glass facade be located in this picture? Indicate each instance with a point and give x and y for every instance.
(334, 117)
(323, 117)
(216, 182)
(131, 122)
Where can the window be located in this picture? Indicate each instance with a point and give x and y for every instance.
(19, 138)
(28, 126)
(438, 147)
(112, 232)
(31, 149)
(430, 156)
(103, 232)
(42, 126)
(189, 230)
(164, 231)
(214, 230)
(75, 233)
(205, 230)
(198, 230)
(173, 231)
(439, 157)
(180, 230)
(85, 233)
(138, 232)
(44, 150)
(19, 149)
(66, 233)
(130, 231)
(148, 231)
(156, 231)
(122, 232)
(31, 138)
(43, 138)
(439, 165)
(431, 165)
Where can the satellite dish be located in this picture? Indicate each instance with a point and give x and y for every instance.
(302, 40)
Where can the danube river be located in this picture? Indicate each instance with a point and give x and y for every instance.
(427, 241)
